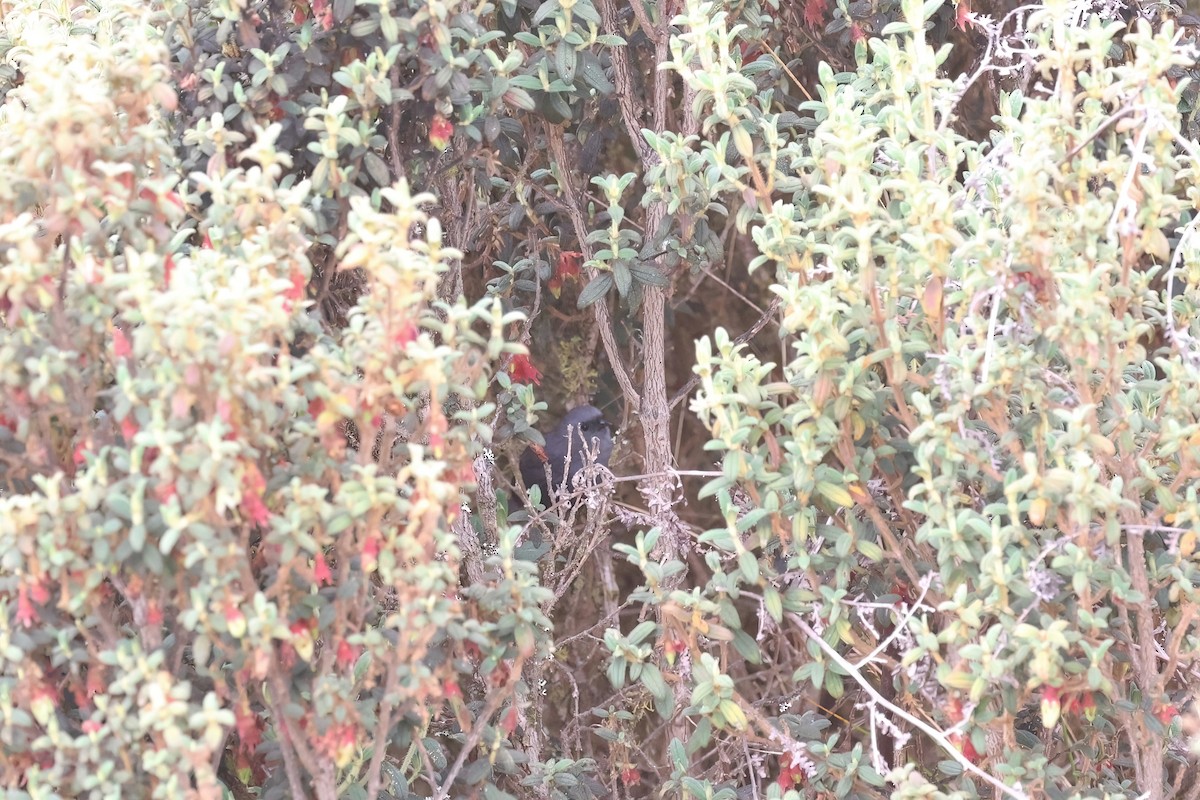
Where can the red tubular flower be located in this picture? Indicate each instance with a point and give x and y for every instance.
(440, 131)
(523, 371)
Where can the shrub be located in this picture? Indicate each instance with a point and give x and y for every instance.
(255, 538)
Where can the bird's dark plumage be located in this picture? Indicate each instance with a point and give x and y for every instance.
(585, 433)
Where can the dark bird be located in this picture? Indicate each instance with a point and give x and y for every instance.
(583, 435)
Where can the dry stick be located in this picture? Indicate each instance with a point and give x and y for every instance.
(393, 136)
(290, 768)
(1124, 111)
(1178, 338)
(427, 762)
(655, 408)
(985, 63)
(639, 12)
(933, 733)
(1178, 633)
(1194, 792)
(631, 111)
(750, 333)
(382, 726)
(493, 704)
(788, 71)
(468, 540)
(1148, 744)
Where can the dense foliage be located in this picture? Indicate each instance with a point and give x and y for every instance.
(896, 304)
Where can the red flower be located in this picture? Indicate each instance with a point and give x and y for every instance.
(569, 262)
(323, 13)
(121, 346)
(253, 487)
(303, 627)
(370, 550)
(296, 290)
(164, 491)
(814, 12)
(347, 654)
(405, 333)
(672, 647)
(235, 620)
(1051, 706)
(26, 615)
(630, 776)
(1166, 713)
(321, 571)
(38, 591)
(962, 13)
(440, 131)
(523, 371)
(249, 728)
(790, 775)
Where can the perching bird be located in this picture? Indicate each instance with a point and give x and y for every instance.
(585, 433)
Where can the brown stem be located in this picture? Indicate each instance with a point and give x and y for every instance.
(1147, 743)
(493, 704)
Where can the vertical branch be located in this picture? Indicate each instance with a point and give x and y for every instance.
(656, 486)
(1148, 744)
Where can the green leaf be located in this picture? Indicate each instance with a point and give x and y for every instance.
(546, 9)
(643, 629)
(622, 277)
(773, 603)
(476, 771)
(838, 495)
(137, 538)
(557, 106)
(170, 536)
(748, 566)
(564, 62)
(593, 74)
(870, 549)
(746, 646)
(664, 699)
(377, 169)
(647, 274)
(951, 768)
(519, 99)
(595, 290)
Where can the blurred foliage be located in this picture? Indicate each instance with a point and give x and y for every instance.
(253, 530)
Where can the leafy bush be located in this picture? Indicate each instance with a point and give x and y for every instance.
(260, 404)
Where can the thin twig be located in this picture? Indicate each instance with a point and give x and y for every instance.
(749, 334)
(899, 626)
(933, 733)
(495, 701)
